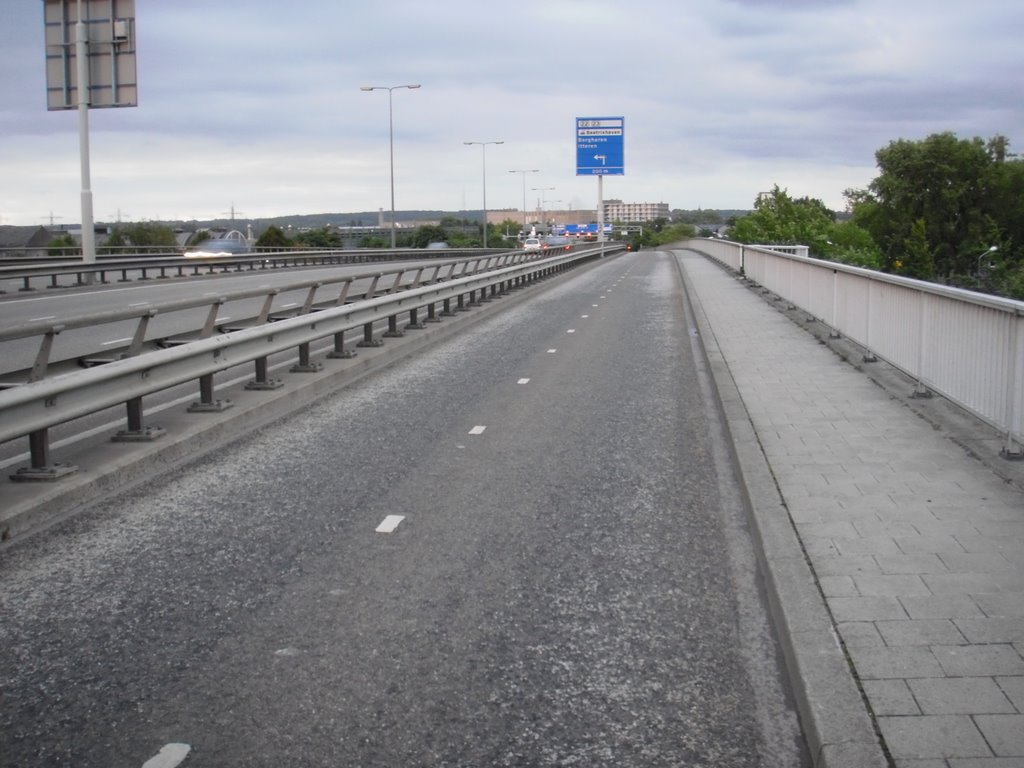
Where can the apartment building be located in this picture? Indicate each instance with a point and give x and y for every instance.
(616, 210)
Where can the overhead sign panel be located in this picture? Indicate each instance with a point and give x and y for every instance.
(109, 30)
(599, 146)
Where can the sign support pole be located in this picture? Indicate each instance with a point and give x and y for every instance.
(82, 62)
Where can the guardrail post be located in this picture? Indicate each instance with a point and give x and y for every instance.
(339, 352)
(41, 469)
(43, 355)
(136, 431)
(447, 308)
(262, 382)
(414, 323)
(206, 403)
(432, 313)
(392, 332)
(368, 340)
(305, 365)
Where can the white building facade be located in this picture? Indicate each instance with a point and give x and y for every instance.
(616, 210)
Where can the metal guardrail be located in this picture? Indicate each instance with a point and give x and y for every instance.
(50, 273)
(387, 281)
(966, 346)
(31, 410)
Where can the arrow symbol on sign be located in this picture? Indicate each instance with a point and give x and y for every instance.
(602, 158)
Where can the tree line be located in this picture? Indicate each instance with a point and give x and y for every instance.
(942, 209)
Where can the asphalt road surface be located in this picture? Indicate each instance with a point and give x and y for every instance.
(570, 582)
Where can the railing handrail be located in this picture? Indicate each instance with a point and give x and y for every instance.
(938, 335)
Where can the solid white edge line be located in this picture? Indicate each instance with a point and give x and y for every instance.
(389, 523)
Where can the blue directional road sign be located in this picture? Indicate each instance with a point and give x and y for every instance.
(599, 146)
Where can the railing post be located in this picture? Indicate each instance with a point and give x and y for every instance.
(206, 403)
(41, 470)
(137, 432)
(305, 365)
(262, 381)
(414, 323)
(339, 352)
(392, 332)
(920, 389)
(368, 340)
(1009, 450)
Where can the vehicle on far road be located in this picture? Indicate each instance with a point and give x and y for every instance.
(219, 246)
(533, 244)
(438, 246)
(557, 243)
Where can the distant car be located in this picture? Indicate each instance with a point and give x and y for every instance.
(438, 246)
(533, 244)
(557, 243)
(218, 247)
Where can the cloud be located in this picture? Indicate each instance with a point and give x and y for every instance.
(259, 104)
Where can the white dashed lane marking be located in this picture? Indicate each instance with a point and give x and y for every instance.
(523, 381)
(169, 756)
(477, 430)
(552, 351)
(390, 523)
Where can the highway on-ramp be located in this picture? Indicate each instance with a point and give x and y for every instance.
(523, 547)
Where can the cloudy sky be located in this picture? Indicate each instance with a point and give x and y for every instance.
(257, 104)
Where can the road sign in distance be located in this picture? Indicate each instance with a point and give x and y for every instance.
(599, 146)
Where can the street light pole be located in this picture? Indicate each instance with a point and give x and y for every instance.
(391, 143)
(524, 172)
(483, 155)
(991, 249)
(542, 190)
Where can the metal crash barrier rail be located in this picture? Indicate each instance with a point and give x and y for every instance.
(32, 409)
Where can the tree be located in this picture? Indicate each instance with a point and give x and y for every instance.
(426, 234)
(273, 237)
(938, 204)
(141, 235)
(318, 238)
(941, 181)
(62, 245)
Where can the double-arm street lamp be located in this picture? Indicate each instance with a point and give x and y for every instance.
(524, 172)
(483, 155)
(391, 143)
(542, 190)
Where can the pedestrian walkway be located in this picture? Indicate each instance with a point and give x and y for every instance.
(915, 544)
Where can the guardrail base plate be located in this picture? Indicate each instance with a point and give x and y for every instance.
(144, 435)
(43, 474)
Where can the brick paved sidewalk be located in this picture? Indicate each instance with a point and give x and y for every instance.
(918, 547)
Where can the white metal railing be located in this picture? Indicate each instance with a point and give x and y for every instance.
(966, 346)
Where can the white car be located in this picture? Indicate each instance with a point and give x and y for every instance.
(532, 244)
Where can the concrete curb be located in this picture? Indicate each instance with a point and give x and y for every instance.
(839, 730)
(106, 467)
